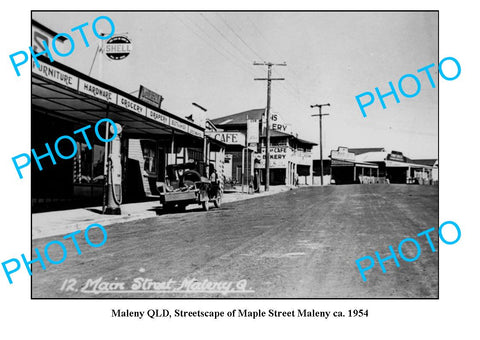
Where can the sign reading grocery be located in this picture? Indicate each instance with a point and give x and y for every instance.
(118, 47)
(131, 105)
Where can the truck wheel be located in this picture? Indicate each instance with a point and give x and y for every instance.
(168, 207)
(205, 205)
(217, 202)
(181, 207)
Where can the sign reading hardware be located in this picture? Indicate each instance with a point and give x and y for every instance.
(96, 91)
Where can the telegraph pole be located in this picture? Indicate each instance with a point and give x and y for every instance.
(267, 149)
(320, 120)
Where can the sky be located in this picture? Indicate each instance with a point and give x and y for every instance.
(331, 57)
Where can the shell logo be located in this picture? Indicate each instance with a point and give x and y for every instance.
(118, 47)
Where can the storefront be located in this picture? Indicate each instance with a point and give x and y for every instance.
(236, 165)
(290, 157)
(359, 165)
(347, 170)
(65, 100)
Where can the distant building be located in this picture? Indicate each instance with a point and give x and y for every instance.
(290, 156)
(376, 164)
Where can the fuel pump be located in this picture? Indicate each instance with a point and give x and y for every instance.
(114, 174)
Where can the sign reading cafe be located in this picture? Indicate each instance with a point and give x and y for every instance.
(230, 138)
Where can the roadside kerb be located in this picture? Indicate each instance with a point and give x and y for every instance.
(62, 222)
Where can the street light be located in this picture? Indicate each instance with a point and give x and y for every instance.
(320, 120)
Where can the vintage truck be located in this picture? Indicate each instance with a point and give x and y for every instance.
(185, 185)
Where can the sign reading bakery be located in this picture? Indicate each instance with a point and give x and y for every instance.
(279, 157)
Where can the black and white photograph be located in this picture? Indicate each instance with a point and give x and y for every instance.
(234, 155)
(240, 170)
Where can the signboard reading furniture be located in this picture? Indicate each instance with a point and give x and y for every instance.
(56, 75)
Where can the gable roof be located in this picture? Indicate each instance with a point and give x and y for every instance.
(275, 133)
(430, 162)
(359, 151)
(238, 118)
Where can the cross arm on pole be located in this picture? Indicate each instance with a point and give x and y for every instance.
(264, 63)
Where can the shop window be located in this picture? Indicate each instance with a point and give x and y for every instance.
(279, 142)
(149, 156)
(88, 164)
(196, 155)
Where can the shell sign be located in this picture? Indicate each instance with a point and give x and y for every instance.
(118, 47)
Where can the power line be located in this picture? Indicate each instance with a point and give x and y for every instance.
(255, 27)
(223, 35)
(231, 57)
(239, 37)
(294, 93)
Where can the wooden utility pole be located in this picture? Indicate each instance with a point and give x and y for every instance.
(267, 148)
(321, 151)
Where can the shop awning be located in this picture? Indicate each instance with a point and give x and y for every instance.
(215, 144)
(342, 162)
(394, 164)
(64, 92)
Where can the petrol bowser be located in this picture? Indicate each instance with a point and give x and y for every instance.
(114, 174)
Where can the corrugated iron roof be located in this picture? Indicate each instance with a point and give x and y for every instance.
(359, 151)
(238, 118)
